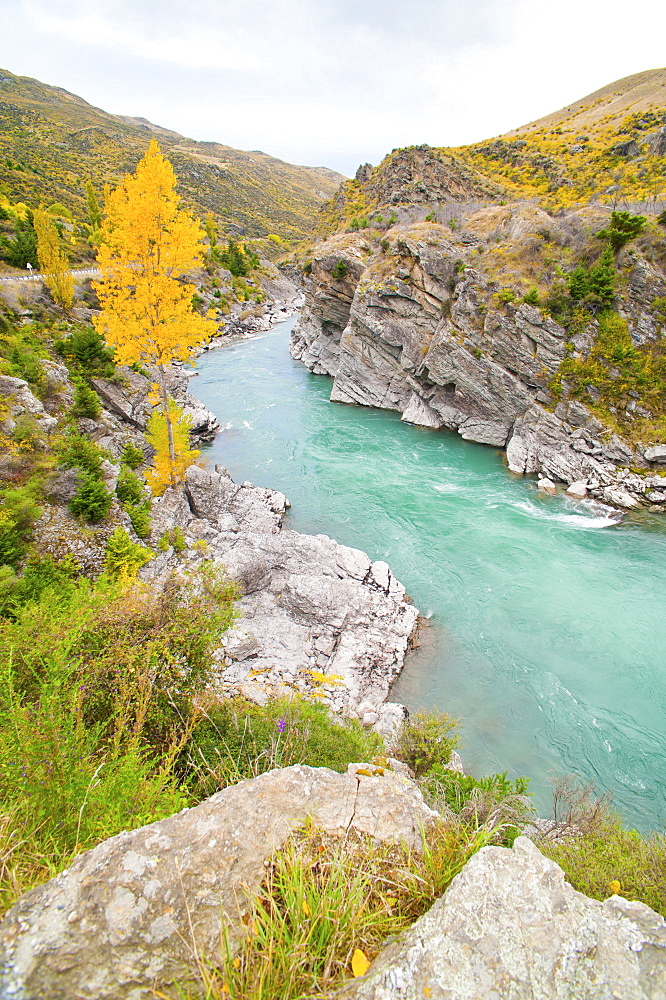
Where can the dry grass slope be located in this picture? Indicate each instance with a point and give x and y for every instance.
(51, 141)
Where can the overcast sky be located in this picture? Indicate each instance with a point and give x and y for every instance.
(332, 82)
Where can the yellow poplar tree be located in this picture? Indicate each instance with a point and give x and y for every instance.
(168, 470)
(148, 242)
(52, 259)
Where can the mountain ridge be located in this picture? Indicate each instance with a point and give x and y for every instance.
(52, 141)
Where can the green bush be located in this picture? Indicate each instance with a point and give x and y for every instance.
(173, 537)
(129, 487)
(239, 739)
(122, 557)
(40, 573)
(139, 515)
(339, 270)
(618, 369)
(84, 349)
(92, 500)
(25, 361)
(532, 297)
(18, 512)
(132, 456)
(610, 853)
(623, 227)
(494, 798)
(76, 451)
(426, 739)
(506, 295)
(95, 702)
(86, 401)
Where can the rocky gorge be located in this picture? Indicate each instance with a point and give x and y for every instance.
(322, 619)
(427, 319)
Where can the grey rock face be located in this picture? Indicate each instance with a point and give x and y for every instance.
(130, 915)
(20, 399)
(317, 616)
(130, 401)
(656, 454)
(416, 327)
(510, 928)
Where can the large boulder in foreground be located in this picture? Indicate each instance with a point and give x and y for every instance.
(510, 928)
(133, 914)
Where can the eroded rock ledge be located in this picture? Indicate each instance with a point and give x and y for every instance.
(316, 615)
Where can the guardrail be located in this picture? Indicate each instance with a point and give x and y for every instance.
(38, 276)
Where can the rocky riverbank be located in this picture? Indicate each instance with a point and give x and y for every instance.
(419, 322)
(316, 617)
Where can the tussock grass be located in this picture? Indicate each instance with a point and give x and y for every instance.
(323, 900)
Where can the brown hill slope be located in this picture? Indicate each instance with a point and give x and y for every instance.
(608, 147)
(51, 141)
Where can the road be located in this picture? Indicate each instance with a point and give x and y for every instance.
(38, 276)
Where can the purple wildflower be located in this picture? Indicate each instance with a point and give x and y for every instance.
(282, 724)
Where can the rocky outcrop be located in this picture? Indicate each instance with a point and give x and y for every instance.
(130, 401)
(142, 909)
(18, 400)
(420, 325)
(510, 928)
(317, 616)
(137, 911)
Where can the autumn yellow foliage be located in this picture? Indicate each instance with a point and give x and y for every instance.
(168, 470)
(148, 243)
(52, 259)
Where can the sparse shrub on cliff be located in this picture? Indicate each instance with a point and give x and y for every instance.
(132, 456)
(532, 297)
(339, 270)
(478, 800)
(123, 559)
(620, 371)
(96, 701)
(86, 401)
(426, 739)
(599, 855)
(84, 349)
(76, 451)
(92, 500)
(18, 512)
(623, 227)
(238, 739)
(129, 487)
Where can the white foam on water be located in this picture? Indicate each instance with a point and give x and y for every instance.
(571, 520)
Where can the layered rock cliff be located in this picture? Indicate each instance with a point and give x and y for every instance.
(428, 320)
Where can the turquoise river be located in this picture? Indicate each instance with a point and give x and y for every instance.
(548, 631)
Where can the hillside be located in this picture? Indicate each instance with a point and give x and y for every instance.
(52, 141)
(608, 147)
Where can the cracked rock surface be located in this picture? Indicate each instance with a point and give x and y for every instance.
(128, 915)
(510, 928)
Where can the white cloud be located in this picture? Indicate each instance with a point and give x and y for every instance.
(333, 81)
